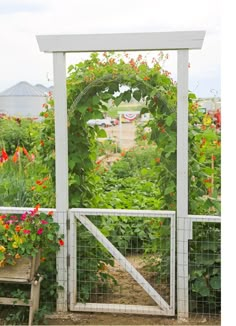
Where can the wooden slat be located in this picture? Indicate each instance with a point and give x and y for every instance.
(121, 308)
(121, 42)
(14, 301)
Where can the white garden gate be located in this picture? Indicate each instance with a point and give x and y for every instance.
(161, 307)
(59, 45)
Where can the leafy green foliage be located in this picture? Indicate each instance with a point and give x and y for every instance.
(18, 132)
(205, 267)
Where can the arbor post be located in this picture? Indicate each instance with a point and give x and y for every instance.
(62, 197)
(183, 226)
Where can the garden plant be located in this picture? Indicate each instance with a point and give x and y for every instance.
(142, 178)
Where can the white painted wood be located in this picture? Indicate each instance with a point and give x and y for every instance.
(61, 137)
(121, 308)
(123, 212)
(120, 131)
(205, 218)
(73, 261)
(172, 265)
(202, 218)
(123, 262)
(183, 224)
(121, 42)
(21, 210)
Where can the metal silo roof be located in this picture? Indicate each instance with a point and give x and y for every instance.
(43, 89)
(22, 89)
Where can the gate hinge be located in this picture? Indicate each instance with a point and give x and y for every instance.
(68, 260)
(68, 224)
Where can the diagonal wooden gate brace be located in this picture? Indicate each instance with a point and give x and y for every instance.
(123, 262)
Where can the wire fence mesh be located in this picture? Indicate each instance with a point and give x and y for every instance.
(101, 278)
(205, 269)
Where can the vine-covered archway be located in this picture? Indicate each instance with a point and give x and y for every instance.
(59, 45)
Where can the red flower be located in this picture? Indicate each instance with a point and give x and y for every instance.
(40, 231)
(61, 242)
(50, 213)
(26, 231)
(44, 222)
(4, 155)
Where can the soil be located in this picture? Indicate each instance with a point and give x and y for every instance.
(127, 292)
(124, 319)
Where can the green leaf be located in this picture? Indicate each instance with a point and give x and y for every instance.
(95, 100)
(137, 95)
(101, 133)
(127, 96)
(83, 108)
(50, 236)
(118, 100)
(169, 120)
(200, 286)
(215, 282)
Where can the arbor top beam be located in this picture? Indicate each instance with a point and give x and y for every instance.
(121, 42)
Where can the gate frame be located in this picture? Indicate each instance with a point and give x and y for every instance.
(82, 213)
(181, 41)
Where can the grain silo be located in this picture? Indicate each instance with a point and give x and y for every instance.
(22, 100)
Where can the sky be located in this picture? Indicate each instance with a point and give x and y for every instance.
(22, 20)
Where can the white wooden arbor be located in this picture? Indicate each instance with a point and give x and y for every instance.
(59, 45)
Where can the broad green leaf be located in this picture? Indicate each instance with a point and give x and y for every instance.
(118, 100)
(215, 282)
(137, 95)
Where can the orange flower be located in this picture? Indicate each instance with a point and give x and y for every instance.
(39, 182)
(50, 213)
(146, 78)
(33, 188)
(6, 226)
(16, 155)
(18, 228)
(25, 151)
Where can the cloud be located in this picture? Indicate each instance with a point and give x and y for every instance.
(16, 6)
(24, 19)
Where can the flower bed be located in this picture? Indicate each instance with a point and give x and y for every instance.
(27, 235)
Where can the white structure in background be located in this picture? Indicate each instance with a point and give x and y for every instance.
(43, 89)
(23, 100)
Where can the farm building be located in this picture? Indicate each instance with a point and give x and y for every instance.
(22, 99)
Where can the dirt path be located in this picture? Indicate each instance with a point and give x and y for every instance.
(124, 319)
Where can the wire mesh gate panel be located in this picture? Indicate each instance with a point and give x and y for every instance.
(122, 261)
